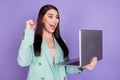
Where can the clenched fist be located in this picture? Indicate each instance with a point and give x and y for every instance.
(30, 24)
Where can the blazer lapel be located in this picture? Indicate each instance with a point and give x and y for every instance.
(58, 51)
(48, 55)
(47, 52)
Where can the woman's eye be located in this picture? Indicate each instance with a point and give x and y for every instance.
(50, 17)
(57, 17)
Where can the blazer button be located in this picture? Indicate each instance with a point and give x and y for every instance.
(65, 78)
(23, 36)
(42, 78)
(40, 63)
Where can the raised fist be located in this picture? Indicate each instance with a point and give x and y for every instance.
(30, 24)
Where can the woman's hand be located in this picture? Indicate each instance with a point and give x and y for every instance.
(30, 24)
(92, 64)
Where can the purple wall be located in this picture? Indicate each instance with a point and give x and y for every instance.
(75, 15)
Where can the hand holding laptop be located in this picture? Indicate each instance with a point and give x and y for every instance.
(90, 50)
(91, 65)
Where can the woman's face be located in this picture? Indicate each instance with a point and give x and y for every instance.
(50, 20)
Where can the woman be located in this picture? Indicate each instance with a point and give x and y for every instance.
(44, 48)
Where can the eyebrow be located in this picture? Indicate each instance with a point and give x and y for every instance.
(52, 14)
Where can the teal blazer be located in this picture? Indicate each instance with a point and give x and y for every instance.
(42, 67)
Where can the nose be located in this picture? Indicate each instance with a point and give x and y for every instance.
(55, 21)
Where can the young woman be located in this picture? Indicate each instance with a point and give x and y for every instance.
(42, 49)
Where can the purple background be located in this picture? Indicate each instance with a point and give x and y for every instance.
(75, 15)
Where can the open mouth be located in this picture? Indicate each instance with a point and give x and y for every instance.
(52, 26)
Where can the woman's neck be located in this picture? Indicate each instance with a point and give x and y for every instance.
(48, 37)
(47, 34)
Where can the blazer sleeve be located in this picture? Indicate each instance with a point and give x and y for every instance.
(26, 51)
(72, 69)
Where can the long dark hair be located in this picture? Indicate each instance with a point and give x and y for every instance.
(39, 33)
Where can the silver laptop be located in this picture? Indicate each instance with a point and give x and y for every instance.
(90, 45)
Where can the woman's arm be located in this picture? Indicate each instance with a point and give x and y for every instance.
(26, 51)
(26, 48)
(73, 69)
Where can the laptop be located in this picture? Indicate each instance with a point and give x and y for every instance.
(90, 45)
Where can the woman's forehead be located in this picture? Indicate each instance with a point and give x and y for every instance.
(52, 12)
